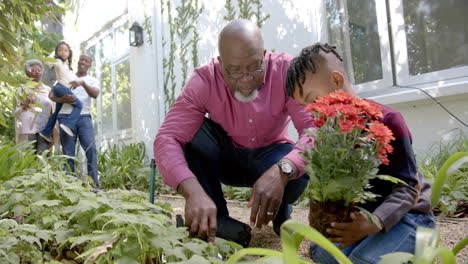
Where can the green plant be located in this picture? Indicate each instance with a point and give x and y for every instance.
(454, 192)
(292, 234)
(426, 250)
(18, 159)
(52, 217)
(248, 9)
(183, 37)
(124, 166)
(349, 145)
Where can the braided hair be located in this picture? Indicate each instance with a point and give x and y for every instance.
(70, 55)
(308, 60)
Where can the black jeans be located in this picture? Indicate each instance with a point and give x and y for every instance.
(213, 158)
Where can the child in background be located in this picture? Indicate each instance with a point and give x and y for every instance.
(65, 76)
(319, 71)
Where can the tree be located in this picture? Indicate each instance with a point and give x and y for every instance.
(21, 37)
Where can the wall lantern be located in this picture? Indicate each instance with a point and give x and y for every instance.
(136, 35)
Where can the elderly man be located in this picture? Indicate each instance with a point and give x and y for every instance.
(87, 87)
(244, 142)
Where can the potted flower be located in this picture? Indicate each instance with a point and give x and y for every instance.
(349, 144)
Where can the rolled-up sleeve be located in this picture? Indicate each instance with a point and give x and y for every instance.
(303, 121)
(179, 127)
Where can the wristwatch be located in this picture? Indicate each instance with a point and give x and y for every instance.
(286, 169)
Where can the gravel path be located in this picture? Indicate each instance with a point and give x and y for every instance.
(452, 230)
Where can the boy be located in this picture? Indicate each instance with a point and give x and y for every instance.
(319, 71)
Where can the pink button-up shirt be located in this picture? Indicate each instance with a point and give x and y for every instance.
(258, 123)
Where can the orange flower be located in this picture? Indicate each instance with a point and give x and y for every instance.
(319, 122)
(342, 97)
(326, 100)
(369, 108)
(347, 109)
(381, 132)
(386, 149)
(346, 126)
(384, 160)
(321, 108)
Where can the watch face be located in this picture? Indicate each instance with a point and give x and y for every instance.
(286, 167)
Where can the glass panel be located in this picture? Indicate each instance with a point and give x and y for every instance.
(106, 84)
(436, 34)
(121, 41)
(91, 51)
(353, 29)
(124, 97)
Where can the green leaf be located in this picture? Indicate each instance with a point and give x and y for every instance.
(460, 245)
(252, 251)
(292, 229)
(373, 219)
(448, 168)
(396, 258)
(427, 240)
(390, 178)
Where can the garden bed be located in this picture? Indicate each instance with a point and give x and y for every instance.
(452, 230)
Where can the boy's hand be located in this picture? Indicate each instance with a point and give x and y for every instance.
(349, 233)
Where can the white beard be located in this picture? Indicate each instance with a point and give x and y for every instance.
(243, 98)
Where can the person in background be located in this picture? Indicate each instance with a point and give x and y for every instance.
(86, 88)
(64, 86)
(33, 108)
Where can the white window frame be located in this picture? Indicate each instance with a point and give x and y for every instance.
(400, 53)
(116, 134)
(385, 52)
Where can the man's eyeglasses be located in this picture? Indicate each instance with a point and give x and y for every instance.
(239, 75)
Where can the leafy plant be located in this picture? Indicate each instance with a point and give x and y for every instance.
(454, 191)
(53, 217)
(292, 234)
(124, 166)
(426, 250)
(18, 159)
(349, 145)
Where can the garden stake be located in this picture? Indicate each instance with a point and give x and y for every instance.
(152, 180)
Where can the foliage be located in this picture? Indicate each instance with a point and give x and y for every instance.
(183, 37)
(450, 167)
(124, 166)
(292, 234)
(18, 159)
(248, 9)
(349, 144)
(49, 215)
(427, 249)
(454, 193)
(18, 33)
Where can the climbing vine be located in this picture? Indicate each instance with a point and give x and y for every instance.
(248, 9)
(183, 42)
(183, 38)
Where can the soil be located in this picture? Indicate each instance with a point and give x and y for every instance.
(452, 230)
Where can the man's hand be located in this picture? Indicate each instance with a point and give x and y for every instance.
(200, 210)
(77, 83)
(266, 197)
(349, 233)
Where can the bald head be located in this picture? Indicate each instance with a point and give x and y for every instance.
(241, 37)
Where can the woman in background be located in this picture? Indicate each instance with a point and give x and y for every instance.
(33, 108)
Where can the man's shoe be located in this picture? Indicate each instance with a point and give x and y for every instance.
(47, 138)
(233, 230)
(67, 130)
(283, 214)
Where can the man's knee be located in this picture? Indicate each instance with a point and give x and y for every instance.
(205, 143)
